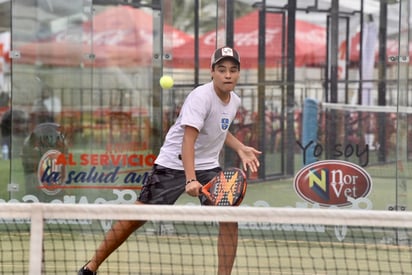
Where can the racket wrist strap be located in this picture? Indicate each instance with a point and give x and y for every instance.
(191, 180)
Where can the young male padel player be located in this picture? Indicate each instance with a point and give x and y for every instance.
(189, 158)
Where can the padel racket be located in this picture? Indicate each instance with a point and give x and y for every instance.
(227, 188)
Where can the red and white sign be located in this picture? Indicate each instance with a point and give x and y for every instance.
(332, 183)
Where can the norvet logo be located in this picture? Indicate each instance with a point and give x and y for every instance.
(332, 182)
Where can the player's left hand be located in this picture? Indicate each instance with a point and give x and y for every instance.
(249, 157)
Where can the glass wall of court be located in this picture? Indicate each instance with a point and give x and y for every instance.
(84, 116)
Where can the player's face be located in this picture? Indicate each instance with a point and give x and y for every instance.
(225, 76)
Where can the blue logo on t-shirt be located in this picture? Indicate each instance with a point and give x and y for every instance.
(224, 122)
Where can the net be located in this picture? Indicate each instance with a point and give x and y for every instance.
(59, 239)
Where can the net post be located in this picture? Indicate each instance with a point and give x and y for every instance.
(310, 129)
(36, 241)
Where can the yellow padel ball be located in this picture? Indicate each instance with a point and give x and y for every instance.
(166, 82)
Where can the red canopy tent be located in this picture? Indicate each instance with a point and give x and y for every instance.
(310, 43)
(121, 36)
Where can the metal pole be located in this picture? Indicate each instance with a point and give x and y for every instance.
(196, 41)
(230, 14)
(334, 50)
(157, 101)
(383, 21)
(290, 90)
(261, 85)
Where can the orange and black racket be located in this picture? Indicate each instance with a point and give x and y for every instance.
(227, 188)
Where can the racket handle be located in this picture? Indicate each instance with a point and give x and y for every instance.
(203, 191)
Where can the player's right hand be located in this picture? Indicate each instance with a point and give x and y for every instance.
(193, 188)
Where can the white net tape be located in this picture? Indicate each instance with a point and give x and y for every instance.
(199, 213)
(366, 108)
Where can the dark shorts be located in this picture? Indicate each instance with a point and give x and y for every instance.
(165, 185)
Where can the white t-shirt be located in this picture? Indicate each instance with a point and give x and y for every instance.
(204, 111)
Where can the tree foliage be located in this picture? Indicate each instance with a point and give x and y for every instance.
(184, 15)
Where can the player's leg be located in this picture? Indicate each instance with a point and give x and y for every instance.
(228, 232)
(115, 237)
(163, 186)
(227, 247)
